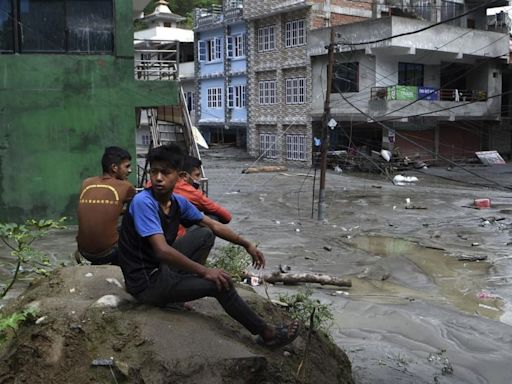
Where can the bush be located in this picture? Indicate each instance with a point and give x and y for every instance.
(231, 258)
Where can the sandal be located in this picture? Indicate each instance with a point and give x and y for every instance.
(285, 334)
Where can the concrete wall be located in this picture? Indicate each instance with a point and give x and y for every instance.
(57, 114)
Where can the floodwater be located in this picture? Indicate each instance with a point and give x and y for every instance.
(414, 313)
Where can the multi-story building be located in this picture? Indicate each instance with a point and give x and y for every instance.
(279, 72)
(434, 94)
(67, 92)
(163, 51)
(220, 38)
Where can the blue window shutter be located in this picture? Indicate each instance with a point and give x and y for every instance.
(218, 45)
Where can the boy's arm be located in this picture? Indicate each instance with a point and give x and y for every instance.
(224, 232)
(202, 202)
(179, 260)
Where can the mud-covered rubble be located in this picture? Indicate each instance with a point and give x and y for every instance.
(90, 330)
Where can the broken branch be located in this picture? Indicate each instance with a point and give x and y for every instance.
(294, 278)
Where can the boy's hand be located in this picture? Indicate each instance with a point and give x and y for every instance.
(219, 277)
(258, 260)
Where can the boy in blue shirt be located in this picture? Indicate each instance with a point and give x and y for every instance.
(157, 273)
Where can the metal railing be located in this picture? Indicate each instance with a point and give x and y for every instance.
(429, 94)
(156, 64)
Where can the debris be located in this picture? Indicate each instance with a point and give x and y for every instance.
(111, 301)
(482, 203)
(103, 362)
(377, 186)
(267, 168)
(88, 274)
(328, 248)
(414, 207)
(488, 307)
(41, 320)
(310, 258)
(72, 290)
(294, 278)
(472, 258)
(284, 268)
(114, 281)
(386, 155)
(337, 169)
(404, 180)
(485, 295)
(490, 157)
(280, 303)
(475, 244)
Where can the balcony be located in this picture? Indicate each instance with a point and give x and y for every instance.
(233, 15)
(156, 64)
(403, 101)
(207, 17)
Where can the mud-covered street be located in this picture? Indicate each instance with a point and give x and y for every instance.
(415, 312)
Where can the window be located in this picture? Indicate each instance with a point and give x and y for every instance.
(267, 90)
(423, 8)
(345, 78)
(268, 145)
(57, 26)
(209, 50)
(146, 139)
(296, 91)
(266, 39)
(296, 147)
(295, 33)
(410, 74)
(6, 26)
(214, 97)
(236, 45)
(236, 96)
(450, 9)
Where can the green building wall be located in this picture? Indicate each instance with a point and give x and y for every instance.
(57, 114)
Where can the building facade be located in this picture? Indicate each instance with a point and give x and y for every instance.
(221, 72)
(67, 92)
(434, 95)
(280, 73)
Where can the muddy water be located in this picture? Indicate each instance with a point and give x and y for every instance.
(435, 276)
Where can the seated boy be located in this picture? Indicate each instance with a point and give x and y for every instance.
(101, 202)
(156, 273)
(187, 186)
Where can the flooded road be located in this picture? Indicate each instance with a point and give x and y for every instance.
(415, 313)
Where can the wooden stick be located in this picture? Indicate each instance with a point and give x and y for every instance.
(294, 278)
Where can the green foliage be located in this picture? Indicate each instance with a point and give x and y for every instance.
(19, 238)
(301, 305)
(10, 324)
(231, 258)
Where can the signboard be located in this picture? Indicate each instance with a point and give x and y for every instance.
(490, 157)
(402, 92)
(428, 93)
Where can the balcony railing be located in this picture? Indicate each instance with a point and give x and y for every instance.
(156, 64)
(411, 93)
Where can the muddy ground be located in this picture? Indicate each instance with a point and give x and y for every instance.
(415, 313)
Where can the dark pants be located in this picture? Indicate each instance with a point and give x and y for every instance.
(196, 243)
(171, 286)
(110, 256)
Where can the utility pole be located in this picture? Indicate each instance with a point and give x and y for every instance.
(324, 146)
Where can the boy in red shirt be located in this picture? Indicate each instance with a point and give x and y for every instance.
(187, 186)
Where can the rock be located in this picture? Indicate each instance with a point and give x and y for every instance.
(107, 301)
(148, 345)
(374, 272)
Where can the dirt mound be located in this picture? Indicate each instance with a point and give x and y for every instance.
(90, 330)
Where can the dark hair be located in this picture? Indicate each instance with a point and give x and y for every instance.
(113, 155)
(190, 163)
(171, 154)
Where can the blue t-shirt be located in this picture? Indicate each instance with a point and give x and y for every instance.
(144, 219)
(144, 210)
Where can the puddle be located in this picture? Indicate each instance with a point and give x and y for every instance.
(428, 274)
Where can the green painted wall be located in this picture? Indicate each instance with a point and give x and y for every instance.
(59, 112)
